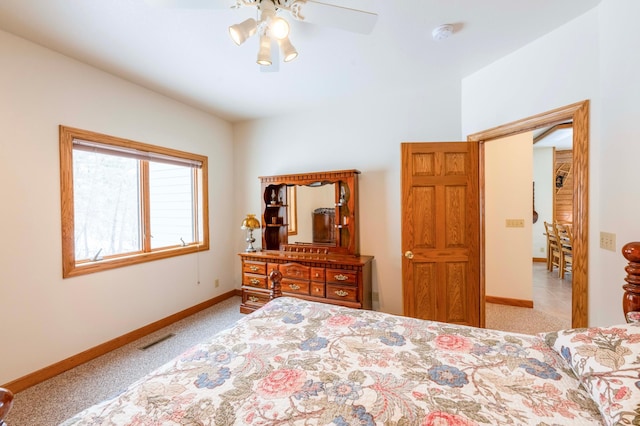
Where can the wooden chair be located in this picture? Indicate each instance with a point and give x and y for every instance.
(565, 237)
(553, 249)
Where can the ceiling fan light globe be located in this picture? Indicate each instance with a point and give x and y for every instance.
(264, 54)
(289, 53)
(279, 28)
(239, 33)
(290, 57)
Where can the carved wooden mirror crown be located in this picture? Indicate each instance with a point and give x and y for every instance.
(311, 212)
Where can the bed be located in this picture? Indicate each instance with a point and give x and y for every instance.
(296, 362)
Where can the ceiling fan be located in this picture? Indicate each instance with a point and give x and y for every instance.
(273, 28)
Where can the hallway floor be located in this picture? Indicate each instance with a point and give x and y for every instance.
(551, 306)
(551, 294)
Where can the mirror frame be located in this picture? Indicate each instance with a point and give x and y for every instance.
(277, 214)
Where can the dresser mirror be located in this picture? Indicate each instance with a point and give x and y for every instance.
(313, 208)
(311, 212)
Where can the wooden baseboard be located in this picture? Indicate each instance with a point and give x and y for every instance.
(53, 370)
(510, 302)
(540, 259)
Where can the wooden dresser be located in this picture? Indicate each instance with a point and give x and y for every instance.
(323, 264)
(330, 278)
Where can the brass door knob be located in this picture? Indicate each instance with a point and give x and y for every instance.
(408, 254)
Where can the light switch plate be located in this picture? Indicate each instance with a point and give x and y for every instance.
(515, 223)
(608, 241)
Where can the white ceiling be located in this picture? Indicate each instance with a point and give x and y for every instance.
(559, 138)
(187, 54)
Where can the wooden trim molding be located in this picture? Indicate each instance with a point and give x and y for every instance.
(521, 303)
(53, 370)
(578, 114)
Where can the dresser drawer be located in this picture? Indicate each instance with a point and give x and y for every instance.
(254, 299)
(254, 267)
(251, 280)
(295, 286)
(272, 267)
(341, 276)
(295, 271)
(317, 289)
(342, 292)
(317, 274)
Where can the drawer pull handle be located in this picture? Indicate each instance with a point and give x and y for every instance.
(341, 293)
(341, 277)
(254, 281)
(253, 299)
(294, 286)
(253, 268)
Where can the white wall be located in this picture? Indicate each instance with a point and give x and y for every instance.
(588, 58)
(508, 195)
(543, 171)
(615, 202)
(47, 318)
(363, 135)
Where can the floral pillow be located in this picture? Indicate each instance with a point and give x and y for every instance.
(607, 362)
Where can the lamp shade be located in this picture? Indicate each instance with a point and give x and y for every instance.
(264, 54)
(239, 33)
(289, 53)
(250, 222)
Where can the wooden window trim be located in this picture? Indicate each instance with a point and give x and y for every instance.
(70, 267)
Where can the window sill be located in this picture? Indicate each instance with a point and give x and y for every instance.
(90, 267)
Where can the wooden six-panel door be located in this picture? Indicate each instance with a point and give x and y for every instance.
(440, 232)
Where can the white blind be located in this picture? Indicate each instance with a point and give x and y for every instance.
(137, 154)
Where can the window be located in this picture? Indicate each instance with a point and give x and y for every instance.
(125, 202)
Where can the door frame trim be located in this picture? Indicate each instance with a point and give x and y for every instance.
(578, 113)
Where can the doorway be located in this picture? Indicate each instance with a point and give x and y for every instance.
(553, 177)
(578, 113)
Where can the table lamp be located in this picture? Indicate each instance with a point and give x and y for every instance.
(250, 223)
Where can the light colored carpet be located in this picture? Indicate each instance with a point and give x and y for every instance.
(50, 402)
(521, 320)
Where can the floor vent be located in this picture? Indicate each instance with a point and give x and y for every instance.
(162, 339)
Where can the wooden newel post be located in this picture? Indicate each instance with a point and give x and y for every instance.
(631, 297)
(275, 276)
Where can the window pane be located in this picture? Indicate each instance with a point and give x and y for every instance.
(106, 205)
(171, 205)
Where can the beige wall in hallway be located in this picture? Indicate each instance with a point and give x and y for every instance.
(508, 195)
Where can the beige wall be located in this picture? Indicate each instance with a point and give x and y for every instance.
(508, 194)
(47, 318)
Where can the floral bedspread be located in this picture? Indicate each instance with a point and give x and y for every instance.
(303, 363)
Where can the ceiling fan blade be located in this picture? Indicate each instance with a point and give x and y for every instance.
(354, 20)
(193, 4)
